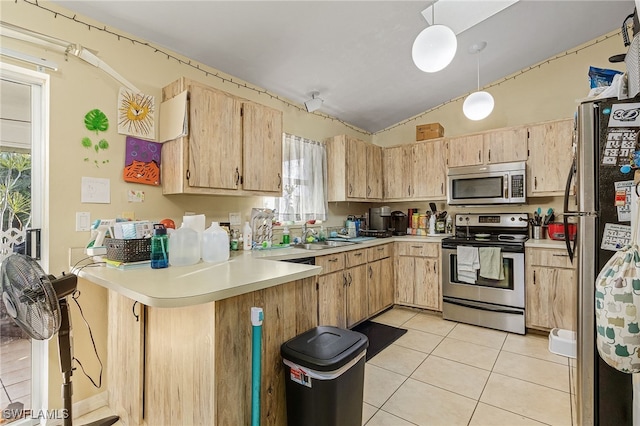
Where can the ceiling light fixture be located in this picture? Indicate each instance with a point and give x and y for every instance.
(435, 46)
(478, 105)
(314, 103)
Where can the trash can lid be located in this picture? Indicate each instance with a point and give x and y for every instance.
(324, 348)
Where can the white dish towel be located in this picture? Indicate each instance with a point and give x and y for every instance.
(468, 264)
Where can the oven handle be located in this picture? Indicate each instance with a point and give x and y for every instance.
(483, 307)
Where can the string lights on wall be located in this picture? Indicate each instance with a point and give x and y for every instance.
(301, 108)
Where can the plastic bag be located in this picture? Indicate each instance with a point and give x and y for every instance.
(600, 77)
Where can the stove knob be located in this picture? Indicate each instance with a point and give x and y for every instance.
(513, 219)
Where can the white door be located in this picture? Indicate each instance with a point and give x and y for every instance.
(24, 112)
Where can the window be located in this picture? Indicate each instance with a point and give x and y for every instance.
(304, 181)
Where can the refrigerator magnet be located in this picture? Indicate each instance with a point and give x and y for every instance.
(615, 236)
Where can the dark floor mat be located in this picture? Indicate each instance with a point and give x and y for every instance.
(380, 336)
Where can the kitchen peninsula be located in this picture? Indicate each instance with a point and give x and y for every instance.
(179, 344)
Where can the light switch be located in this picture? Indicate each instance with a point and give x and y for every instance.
(234, 218)
(83, 221)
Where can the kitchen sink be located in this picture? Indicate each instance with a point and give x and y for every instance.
(322, 245)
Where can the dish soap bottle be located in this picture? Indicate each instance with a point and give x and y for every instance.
(286, 238)
(159, 247)
(247, 237)
(215, 244)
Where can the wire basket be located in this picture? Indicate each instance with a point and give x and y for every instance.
(134, 250)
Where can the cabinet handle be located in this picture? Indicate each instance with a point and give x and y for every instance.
(409, 190)
(416, 247)
(335, 259)
(350, 189)
(344, 280)
(534, 277)
(442, 188)
(358, 254)
(560, 255)
(380, 248)
(489, 154)
(434, 269)
(480, 156)
(535, 182)
(370, 272)
(368, 190)
(237, 176)
(188, 174)
(350, 279)
(279, 181)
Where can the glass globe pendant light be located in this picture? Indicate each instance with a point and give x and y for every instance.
(435, 46)
(478, 105)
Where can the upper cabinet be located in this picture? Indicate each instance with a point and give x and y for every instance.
(233, 147)
(496, 146)
(354, 169)
(397, 166)
(550, 157)
(429, 170)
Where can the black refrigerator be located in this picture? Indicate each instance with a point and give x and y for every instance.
(605, 141)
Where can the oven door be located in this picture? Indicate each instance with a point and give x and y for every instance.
(507, 292)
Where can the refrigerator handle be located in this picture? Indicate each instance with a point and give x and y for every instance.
(567, 192)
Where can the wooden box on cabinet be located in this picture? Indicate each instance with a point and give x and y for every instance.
(233, 146)
(429, 131)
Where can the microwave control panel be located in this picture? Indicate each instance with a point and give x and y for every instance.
(517, 186)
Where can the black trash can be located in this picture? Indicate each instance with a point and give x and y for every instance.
(324, 374)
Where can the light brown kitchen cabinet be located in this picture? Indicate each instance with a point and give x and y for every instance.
(356, 285)
(417, 275)
(331, 299)
(505, 145)
(429, 170)
(351, 176)
(551, 289)
(374, 172)
(380, 278)
(465, 150)
(398, 177)
(233, 146)
(550, 156)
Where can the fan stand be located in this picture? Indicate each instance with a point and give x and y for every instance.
(64, 346)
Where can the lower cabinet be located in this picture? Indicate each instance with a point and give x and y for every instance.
(354, 285)
(551, 289)
(418, 275)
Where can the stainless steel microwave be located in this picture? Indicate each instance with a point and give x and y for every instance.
(503, 183)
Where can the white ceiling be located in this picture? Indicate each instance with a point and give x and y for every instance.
(357, 54)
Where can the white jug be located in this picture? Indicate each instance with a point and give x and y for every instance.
(185, 248)
(215, 244)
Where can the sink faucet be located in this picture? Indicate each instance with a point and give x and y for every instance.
(306, 231)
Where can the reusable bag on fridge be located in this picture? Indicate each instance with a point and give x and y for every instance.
(617, 308)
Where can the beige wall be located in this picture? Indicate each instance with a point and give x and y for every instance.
(546, 93)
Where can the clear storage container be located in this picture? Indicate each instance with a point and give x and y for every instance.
(215, 244)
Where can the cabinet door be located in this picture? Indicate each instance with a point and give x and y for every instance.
(398, 176)
(374, 172)
(465, 150)
(380, 277)
(331, 299)
(356, 164)
(551, 298)
(215, 139)
(357, 297)
(502, 146)
(549, 157)
(429, 171)
(427, 283)
(262, 148)
(405, 275)
(125, 363)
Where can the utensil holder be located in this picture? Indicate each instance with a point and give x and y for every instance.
(537, 232)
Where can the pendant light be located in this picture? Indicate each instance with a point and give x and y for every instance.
(478, 105)
(435, 46)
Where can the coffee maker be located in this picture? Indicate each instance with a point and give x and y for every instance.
(379, 218)
(399, 223)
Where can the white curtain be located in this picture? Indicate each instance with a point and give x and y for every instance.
(304, 171)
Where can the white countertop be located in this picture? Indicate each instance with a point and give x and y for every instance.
(203, 282)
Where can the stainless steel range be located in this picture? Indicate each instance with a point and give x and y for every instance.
(483, 271)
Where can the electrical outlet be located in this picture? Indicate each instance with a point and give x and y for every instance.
(83, 221)
(235, 218)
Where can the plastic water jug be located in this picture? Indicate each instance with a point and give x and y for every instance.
(215, 244)
(185, 249)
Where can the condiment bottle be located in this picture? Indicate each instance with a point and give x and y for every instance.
(247, 237)
(159, 247)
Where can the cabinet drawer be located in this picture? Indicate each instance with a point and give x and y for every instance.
(552, 258)
(356, 257)
(419, 249)
(330, 263)
(379, 252)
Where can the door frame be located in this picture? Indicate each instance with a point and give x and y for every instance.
(40, 109)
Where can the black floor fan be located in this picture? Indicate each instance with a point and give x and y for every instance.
(37, 302)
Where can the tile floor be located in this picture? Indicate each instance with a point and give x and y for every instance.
(444, 373)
